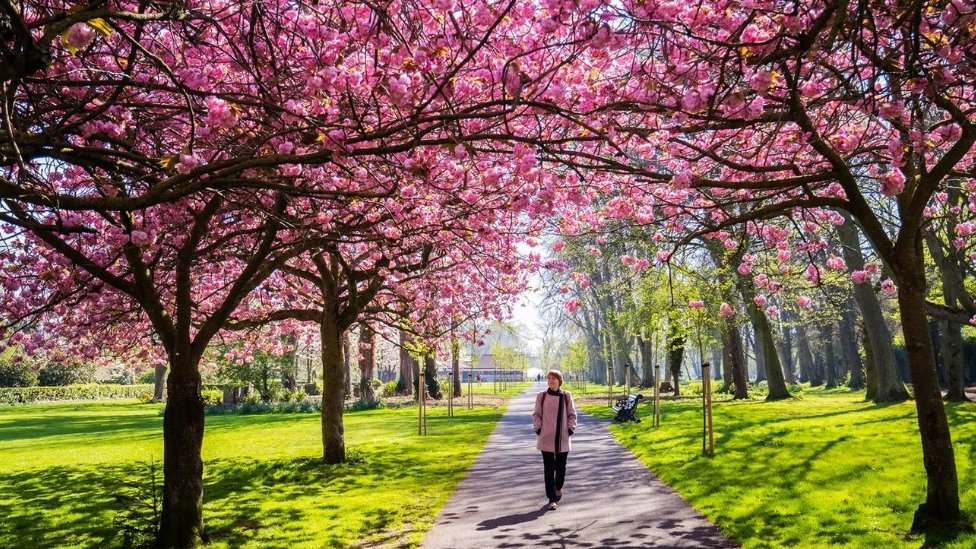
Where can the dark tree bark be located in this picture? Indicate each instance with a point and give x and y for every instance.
(346, 366)
(942, 495)
(456, 366)
(407, 366)
(785, 347)
(181, 522)
(333, 385)
(804, 355)
(676, 351)
(430, 378)
(646, 347)
(735, 355)
(829, 354)
(367, 361)
(848, 346)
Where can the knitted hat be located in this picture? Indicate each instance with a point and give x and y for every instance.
(556, 374)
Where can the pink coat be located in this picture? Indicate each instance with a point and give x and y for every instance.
(544, 418)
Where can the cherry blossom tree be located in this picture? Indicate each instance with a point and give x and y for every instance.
(780, 114)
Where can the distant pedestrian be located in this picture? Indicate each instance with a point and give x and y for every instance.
(554, 421)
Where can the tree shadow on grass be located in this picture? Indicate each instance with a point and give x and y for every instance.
(64, 505)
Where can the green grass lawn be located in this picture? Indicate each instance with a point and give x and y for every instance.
(824, 470)
(60, 465)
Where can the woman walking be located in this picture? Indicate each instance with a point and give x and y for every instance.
(554, 421)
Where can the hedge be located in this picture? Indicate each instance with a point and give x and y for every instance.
(26, 395)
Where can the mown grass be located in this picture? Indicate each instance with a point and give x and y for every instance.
(826, 469)
(265, 486)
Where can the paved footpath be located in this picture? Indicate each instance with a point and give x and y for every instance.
(610, 499)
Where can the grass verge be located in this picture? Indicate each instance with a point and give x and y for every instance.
(61, 464)
(826, 469)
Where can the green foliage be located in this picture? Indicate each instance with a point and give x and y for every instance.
(264, 373)
(390, 388)
(826, 469)
(147, 376)
(59, 374)
(140, 504)
(361, 405)
(212, 396)
(95, 391)
(147, 396)
(17, 373)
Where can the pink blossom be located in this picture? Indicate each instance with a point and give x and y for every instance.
(966, 228)
(558, 246)
(744, 268)
(859, 277)
(627, 259)
(761, 280)
(595, 252)
(803, 302)
(772, 311)
(872, 268)
(572, 305)
(696, 304)
(835, 263)
(784, 255)
(726, 310)
(973, 320)
(641, 265)
(79, 35)
(141, 238)
(893, 183)
(408, 191)
(888, 287)
(730, 244)
(812, 274)
(759, 300)
(663, 256)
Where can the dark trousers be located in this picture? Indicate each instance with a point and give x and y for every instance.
(555, 470)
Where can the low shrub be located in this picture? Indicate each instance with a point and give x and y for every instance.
(390, 388)
(212, 396)
(17, 373)
(27, 395)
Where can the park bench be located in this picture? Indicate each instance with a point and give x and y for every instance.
(626, 408)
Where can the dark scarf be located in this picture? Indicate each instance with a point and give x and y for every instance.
(559, 415)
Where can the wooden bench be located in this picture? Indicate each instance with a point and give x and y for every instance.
(626, 408)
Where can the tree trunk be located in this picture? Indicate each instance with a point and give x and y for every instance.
(181, 521)
(952, 356)
(367, 361)
(646, 347)
(848, 346)
(407, 366)
(808, 371)
(732, 340)
(829, 356)
(456, 365)
(346, 367)
(159, 383)
(877, 337)
(430, 378)
(716, 363)
(676, 351)
(333, 387)
(870, 371)
(941, 505)
(785, 346)
(765, 347)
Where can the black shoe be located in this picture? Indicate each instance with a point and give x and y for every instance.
(559, 495)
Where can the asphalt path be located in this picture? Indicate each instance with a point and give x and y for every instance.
(609, 500)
